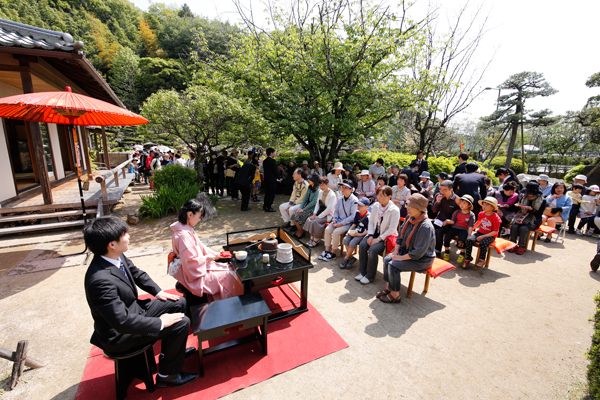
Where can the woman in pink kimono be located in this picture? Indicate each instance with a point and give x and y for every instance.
(200, 272)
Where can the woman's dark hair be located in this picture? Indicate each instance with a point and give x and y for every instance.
(577, 186)
(323, 179)
(358, 165)
(488, 181)
(512, 185)
(383, 178)
(506, 171)
(386, 190)
(553, 190)
(192, 205)
(101, 231)
(404, 177)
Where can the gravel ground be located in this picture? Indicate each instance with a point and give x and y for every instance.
(517, 330)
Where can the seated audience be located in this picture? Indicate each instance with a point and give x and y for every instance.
(507, 175)
(462, 223)
(361, 225)
(335, 177)
(401, 193)
(383, 226)
(443, 207)
(343, 215)
(299, 189)
(349, 175)
(414, 251)
(546, 187)
(322, 213)
(558, 207)
(381, 182)
(587, 210)
(317, 169)
(366, 186)
(307, 207)
(486, 234)
(507, 198)
(576, 193)
(376, 170)
(529, 217)
(426, 186)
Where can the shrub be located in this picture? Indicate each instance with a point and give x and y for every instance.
(515, 164)
(574, 172)
(287, 155)
(172, 175)
(593, 354)
(168, 199)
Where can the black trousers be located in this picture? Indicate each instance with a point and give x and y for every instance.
(573, 216)
(214, 182)
(462, 237)
(245, 196)
(232, 188)
(439, 236)
(221, 182)
(270, 188)
(173, 338)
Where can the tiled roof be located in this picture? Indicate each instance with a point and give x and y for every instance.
(16, 34)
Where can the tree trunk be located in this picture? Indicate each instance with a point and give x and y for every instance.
(199, 163)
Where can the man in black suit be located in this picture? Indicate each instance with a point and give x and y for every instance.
(270, 180)
(460, 168)
(122, 323)
(421, 162)
(472, 184)
(413, 176)
(243, 181)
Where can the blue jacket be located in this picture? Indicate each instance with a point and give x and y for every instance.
(564, 202)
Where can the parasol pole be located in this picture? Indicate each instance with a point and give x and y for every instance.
(78, 161)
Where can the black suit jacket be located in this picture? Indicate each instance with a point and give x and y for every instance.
(470, 183)
(113, 299)
(413, 178)
(460, 169)
(245, 175)
(270, 170)
(423, 166)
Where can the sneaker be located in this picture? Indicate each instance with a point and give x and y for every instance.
(365, 280)
(344, 263)
(480, 264)
(329, 257)
(351, 261)
(588, 232)
(447, 255)
(578, 232)
(460, 259)
(322, 256)
(359, 277)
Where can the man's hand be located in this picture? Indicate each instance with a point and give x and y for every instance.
(162, 295)
(171, 319)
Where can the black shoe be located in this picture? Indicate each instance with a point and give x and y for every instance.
(269, 210)
(246, 209)
(571, 232)
(595, 263)
(180, 379)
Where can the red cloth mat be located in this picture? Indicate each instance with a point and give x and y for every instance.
(292, 342)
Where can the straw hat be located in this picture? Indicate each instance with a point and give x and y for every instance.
(468, 198)
(418, 201)
(489, 200)
(338, 165)
(363, 172)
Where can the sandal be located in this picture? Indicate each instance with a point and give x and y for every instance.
(520, 250)
(389, 299)
(384, 292)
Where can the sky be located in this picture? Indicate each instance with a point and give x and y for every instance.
(555, 38)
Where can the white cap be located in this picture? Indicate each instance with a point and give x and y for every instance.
(544, 177)
(582, 177)
(363, 172)
(594, 188)
(521, 178)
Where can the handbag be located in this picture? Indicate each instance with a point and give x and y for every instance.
(390, 242)
(322, 207)
(229, 173)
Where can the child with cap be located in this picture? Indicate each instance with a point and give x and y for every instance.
(486, 234)
(462, 222)
(576, 195)
(360, 227)
(587, 210)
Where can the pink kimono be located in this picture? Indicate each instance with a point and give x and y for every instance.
(199, 273)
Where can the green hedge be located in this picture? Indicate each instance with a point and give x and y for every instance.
(515, 164)
(593, 354)
(172, 175)
(574, 172)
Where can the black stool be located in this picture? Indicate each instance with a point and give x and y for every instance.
(190, 298)
(135, 364)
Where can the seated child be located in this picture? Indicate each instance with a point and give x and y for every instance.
(576, 193)
(587, 210)
(487, 232)
(507, 198)
(462, 226)
(361, 225)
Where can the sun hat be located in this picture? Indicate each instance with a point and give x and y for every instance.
(543, 177)
(489, 200)
(425, 174)
(314, 178)
(347, 184)
(348, 168)
(582, 177)
(594, 188)
(293, 160)
(533, 188)
(418, 201)
(338, 165)
(468, 198)
(316, 163)
(304, 162)
(363, 172)
(521, 178)
(442, 175)
(364, 201)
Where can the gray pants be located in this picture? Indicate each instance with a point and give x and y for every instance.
(521, 231)
(352, 241)
(369, 258)
(392, 269)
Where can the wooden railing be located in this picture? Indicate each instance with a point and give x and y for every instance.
(115, 172)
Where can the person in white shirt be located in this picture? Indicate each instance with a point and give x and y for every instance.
(191, 161)
(335, 177)
(180, 160)
(317, 169)
(377, 169)
(366, 186)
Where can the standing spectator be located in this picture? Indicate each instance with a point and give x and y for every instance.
(377, 169)
(221, 172)
(232, 164)
(298, 192)
(472, 184)
(166, 160)
(529, 216)
(180, 160)
(383, 224)
(343, 216)
(190, 163)
(282, 178)
(156, 163)
(317, 169)
(460, 168)
(305, 168)
(243, 182)
(413, 176)
(421, 162)
(443, 207)
(270, 180)
(546, 187)
(578, 180)
(486, 234)
(393, 180)
(335, 177)
(256, 181)
(366, 186)
(328, 167)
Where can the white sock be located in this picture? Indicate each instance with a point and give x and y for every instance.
(162, 376)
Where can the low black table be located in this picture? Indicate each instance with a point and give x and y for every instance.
(211, 321)
(256, 275)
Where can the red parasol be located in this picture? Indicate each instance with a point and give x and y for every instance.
(66, 108)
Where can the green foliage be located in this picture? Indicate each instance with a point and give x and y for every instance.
(168, 199)
(500, 162)
(574, 172)
(593, 354)
(125, 73)
(157, 73)
(172, 175)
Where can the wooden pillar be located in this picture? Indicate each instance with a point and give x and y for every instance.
(85, 137)
(106, 160)
(36, 139)
(96, 142)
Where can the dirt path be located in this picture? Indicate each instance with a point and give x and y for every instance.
(518, 330)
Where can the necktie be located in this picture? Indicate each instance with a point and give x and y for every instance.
(122, 268)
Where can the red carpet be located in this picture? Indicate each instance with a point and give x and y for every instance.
(292, 341)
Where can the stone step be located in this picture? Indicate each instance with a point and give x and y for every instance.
(25, 217)
(40, 227)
